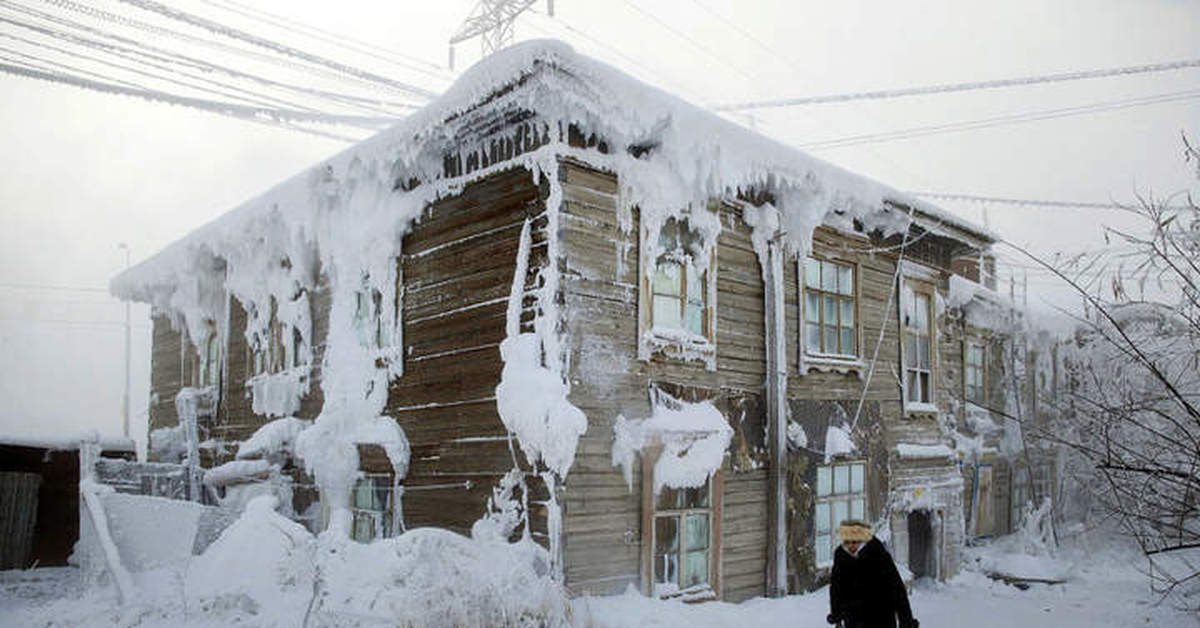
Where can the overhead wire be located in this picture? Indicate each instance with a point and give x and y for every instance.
(970, 125)
(262, 115)
(291, 64)
(238, 34)
(132, 49)
(778, 55)
(1032, 203)
(969, 86)
(348, 43)
(245, 96)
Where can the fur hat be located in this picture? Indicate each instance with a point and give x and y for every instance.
(854, 530)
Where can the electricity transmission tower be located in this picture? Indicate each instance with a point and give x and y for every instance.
(492, 21)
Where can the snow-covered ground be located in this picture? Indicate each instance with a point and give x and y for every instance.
(1102, 588)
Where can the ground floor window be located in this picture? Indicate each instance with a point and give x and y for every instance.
(841, 495)
(682, 539)
(373, 507)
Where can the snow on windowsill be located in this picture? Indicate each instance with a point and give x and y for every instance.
(924, 452)
(278, 394)
(831, 364)
(680, 344)
(695, 593)
(913, 408)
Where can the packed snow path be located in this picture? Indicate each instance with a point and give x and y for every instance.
(1103, 592)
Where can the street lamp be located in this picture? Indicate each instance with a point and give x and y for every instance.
(125, 397)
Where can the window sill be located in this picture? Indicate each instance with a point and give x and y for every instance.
(678, 344)
(696, 593)
(920, 409)
(831, 364)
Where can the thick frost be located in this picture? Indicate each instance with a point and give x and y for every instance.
(693, 436)
(838, 442)
(277, 437)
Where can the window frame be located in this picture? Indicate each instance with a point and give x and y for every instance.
(280, 350)
(807, 356)
(981, 367)
(382, 521)
(927, 404)
(834, 496)
(676, 343)
(651, 514)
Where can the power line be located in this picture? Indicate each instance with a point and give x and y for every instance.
(263, 115)
(969, 125)
(143, 49)
(962, 87)
(297, 27)
(694, 43)
(1032, 202)
(234, 33)
(153, 29)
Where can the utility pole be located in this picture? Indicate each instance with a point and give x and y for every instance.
(125, 397)
(492, 21)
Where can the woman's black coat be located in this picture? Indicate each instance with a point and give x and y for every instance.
(867, 592)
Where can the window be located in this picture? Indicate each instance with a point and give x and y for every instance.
(372, 508)
(681, 281)
(682, 539)
(841, 495)
(973, 372)
(829, 308)
(201, 363)
(282, 346)
(918, 347)
(210, 370)
(367, 322)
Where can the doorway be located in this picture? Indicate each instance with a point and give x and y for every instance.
(921, 555)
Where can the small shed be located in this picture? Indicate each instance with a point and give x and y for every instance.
(39, 496)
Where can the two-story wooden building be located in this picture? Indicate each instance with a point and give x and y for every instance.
(671, 350)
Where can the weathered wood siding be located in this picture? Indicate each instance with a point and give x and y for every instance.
(457, 267)
(165, 373)
(602, 514)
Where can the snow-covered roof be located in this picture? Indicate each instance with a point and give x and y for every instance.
(705, 156)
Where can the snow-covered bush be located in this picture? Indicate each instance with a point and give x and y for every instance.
(262, 565)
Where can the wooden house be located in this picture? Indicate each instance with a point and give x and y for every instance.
(568, 290)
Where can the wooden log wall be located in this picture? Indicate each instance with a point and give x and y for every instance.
(457, 266)
(165, 373)
(602, 514)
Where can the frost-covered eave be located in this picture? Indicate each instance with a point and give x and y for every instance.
(709, 155)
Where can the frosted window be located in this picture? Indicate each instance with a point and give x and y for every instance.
(682, 538)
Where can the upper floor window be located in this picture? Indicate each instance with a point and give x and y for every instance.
(918, 346)
(678, 290)
(680, 282)
(841, 495)
(281, 348)
(829, 309)
(973, 360)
